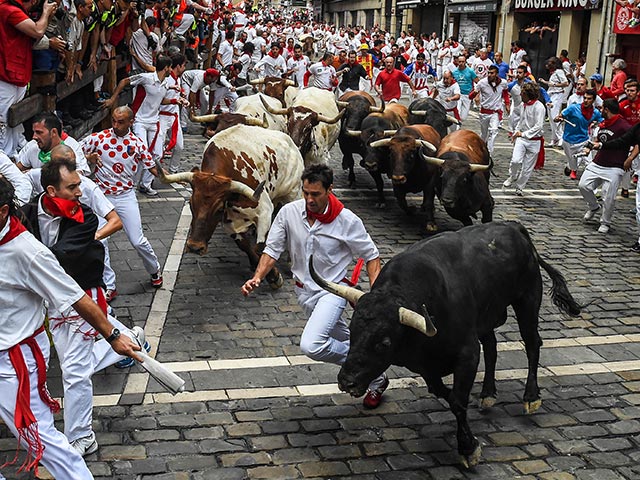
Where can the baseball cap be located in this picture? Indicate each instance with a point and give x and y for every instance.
(364, 46)
(597, 77)
(212, 72)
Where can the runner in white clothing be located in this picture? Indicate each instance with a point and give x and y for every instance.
(12, 173)
(447, 92)
(493, 93)
(170, 115)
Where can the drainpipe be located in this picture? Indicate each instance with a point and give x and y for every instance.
(604, 41)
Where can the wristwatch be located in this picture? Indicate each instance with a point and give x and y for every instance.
(115, 333)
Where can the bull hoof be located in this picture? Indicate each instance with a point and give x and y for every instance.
(470, 461)
(487, 402)
(531, 407)
(277, 283)
(432, 228)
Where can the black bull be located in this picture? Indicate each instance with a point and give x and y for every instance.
(454, 288)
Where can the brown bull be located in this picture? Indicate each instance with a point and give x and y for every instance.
(463, 186)
(221, 121)
(274, 87)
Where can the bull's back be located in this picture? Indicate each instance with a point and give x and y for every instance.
(426, 132)
(468, 143)
(357, 93)
(397, 114)
(252, 106)
(322, 102)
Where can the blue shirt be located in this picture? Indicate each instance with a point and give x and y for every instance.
(579, 133)
(503, 69)
(465, 79)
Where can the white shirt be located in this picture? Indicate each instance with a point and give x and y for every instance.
(556, 77)
(28, 156)
(140, 46)
(155, 92)
(91, 196)
(273, 67)
(447, 92)
(575, 98)
(300, 67)
(258, 43)
(481, 67)
(172, 86)
(193, 80)
(516, 58)
(490, 95)
(30, 274)
(49, 226)
(531, 121)
(322, 75)
(121, 158)
(333, 245)
(226, 53)
(245, 61)
(19, 181)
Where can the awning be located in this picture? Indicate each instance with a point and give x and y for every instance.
(408, 3)
(472, 7)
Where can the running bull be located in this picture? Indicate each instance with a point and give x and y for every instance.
(223, 188)
(434, 304)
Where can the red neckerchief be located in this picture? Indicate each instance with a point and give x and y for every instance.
(15, 229)
(60, 207)
(587, 112)
(272, 55)
(297, 57)
(530, 102)
(334, 208)
(607, 122)
(173, 75)
(580, 94)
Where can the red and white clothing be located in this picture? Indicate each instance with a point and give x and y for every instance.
(121, 158)
(170, 129)
(323, 76)
(20, 183)
(226, 53)
(451, 106)
(630, 111)
(29, 155)
(31, 276)
(419, 77)
(527, 147)
(556, 94)
(299, 67)
(481, 67)
(516, 59)
(491, 97)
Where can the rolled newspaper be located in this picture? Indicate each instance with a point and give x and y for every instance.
(165, 377)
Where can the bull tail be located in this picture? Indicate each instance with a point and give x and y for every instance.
(560, 295)
(491, 167)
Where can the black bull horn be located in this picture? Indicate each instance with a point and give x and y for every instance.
(422, 323)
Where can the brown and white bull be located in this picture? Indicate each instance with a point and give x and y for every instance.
(249, 111)
(463, 183)
(278, 88)
(312, 123)
(235, 162)
(409, 173)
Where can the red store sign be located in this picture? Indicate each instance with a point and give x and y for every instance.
(621, 23)
(554, 5)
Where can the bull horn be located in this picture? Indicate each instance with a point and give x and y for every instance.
(256, 122)
(274, 111)
(257, 81)
(374, 109)
(331, 121)
(383, 142)
(182, 177)
(422, 323)
(418, 112)
(432, 160)
(342, 104)
(425, 144)
(349, 293)
(245, 190)
(453, 120)
(204, 118)
(389, 133)
(354, 133)
(289, 83)
(474, 167)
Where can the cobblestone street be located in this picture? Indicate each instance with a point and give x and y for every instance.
(255, 408)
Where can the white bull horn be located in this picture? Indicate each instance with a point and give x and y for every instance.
(383, 142)
(373, 109)
(257, 81)
(256, 122)
(474, 167)
(389, 133)
(331, 121)
(182, 177)
(289, 83)
(354, 133)
(245, 190)
(204, 118)
(422, 323)
(453, 120)
(425, 144)
(349, 293)
(274, 111)
(418, 112)
(432, 160)
(342, 104)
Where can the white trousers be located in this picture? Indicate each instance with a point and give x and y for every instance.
(223, 93)
(325, 337)
(464, 105)
(79, 355)
(523, 161)
(185, 24)
(514, 117)
(489, 124)
(59, 457)
(607, 177)
(149, 133)
(126, 205)
(11, 138)
(167, 125)
(573, 149)
(556, 127)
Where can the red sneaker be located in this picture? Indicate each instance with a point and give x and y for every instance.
(574, 175)
(110, 295)
(373, 397)
(156, 280)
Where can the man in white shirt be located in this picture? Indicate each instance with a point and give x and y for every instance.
(30, 276)
(48, 133)
(144, 46)
(19, 181)
(170, 115)
(225, 51)
(324, 75)
(447, 92)
(481, 64)
(297, 66)
(493, 92)
(527, 138)
(578, 94)
(272, 64)
(319, 225)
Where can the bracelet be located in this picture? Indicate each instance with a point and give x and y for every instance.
(115, 333)
(174, 101)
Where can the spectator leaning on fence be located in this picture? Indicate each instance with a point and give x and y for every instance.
(17, 34)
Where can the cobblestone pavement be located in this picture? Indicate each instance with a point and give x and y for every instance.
(256, 408)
